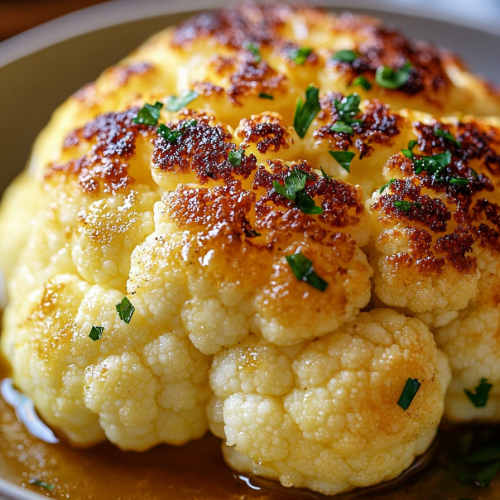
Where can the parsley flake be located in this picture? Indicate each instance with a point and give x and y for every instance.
(484, 477)
(325, 175)
(479, 398)
(170, 135)
(303, 270)
(347, 56)
(184, 98)
(149, 114)
(405, 206)
(305, 112)
(459, 181)
(347, 109)
(294, 190)
(409, 152)
(96, 332)
(434, 164)
(391, 78)
(447, 135)
(42, 484)
(409, 392)
(299, 56)
(262, 95)
(255, 50)
(235, 157)
(362, 82)
(125, 310)
(386, 185)
(343, 158)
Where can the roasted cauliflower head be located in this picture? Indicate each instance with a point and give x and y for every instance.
(204, 233)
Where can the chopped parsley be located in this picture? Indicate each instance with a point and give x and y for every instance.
(305, 112)
(409, 392)
(347, 56)
(262, 95)
(235, 157)
(299, 56)
(447, 135)
(96, 332)
(125, 310)
(294, 190)
(479, 398)
(409, 152)
(392, 78)
(255, 50)
(459, 181)
(347, 109)
(303, 270)
(405, 206)
(362, 82)
(184, 98)
(170, 135)
(325, 175)
(42, 484)
(434, 164)
(386, 185)
(343, 158)
(149, 114)
(484, 476)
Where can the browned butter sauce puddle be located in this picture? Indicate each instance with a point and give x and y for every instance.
(192, 472)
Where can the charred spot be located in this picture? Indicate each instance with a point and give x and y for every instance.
(234, 27)
(484, 209)
(266, 131)
(203, 149)
(382, 45)
(378, 126)
(341, 202)
(431, 212)
(487, 236)
(104, 167)
(207, 89)
(122, 74)
(455, 246)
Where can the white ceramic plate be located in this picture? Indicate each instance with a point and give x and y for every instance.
(43, 66)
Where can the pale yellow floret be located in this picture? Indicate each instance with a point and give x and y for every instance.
(324, 414)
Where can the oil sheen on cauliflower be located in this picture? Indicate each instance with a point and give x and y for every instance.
(185, 218)
(323, 414)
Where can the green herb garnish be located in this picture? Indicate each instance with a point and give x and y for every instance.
(343, 158)
(299, 56)
(96, 332)
(409, 392)
(149, 114)
(392, 79)
(172, 135)
(484, 477)
(294, 190)
(479, 398)
(184, 98)
(325, 175)
(302, 268)
(125, 310)
(362, 82)
(347, 109)
(235, 157)
(42, 484)
(386, 185)
(487, 454)
(262, 95)
(447, 135)
(405, 206)
(409, 152)
(255, 50)
(459, 181)
(434, 165)
(347, 56)
(305, 112)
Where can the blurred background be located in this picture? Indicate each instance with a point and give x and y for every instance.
(19, 15)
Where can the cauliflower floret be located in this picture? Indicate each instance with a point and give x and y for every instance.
(137, 386)
(324, 414)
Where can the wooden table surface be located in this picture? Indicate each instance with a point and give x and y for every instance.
(20, 15)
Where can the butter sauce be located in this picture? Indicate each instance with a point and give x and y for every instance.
(197, 471)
